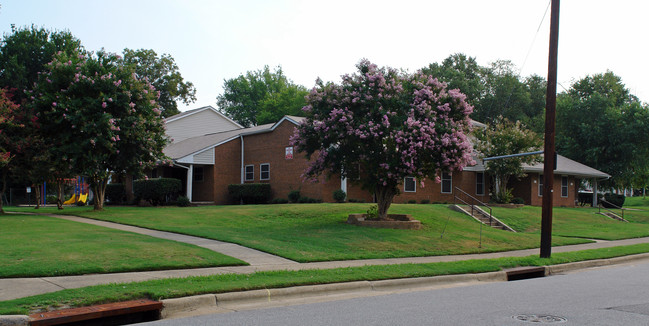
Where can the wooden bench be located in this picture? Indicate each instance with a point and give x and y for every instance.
(145, 309)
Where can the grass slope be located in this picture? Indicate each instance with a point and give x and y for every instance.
(319, 232)
(582, 222)
(32, 245)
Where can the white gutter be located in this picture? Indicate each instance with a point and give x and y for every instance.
(242, 157)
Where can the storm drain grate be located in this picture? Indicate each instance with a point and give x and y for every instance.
(541, 319)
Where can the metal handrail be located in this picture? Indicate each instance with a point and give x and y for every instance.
(474, 200)
(608, 210)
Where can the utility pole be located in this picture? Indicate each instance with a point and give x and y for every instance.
(549, 157)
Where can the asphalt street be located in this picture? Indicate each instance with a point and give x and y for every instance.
(603, 296)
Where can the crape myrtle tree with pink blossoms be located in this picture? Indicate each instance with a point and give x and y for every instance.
(99, 118)
(381, 125)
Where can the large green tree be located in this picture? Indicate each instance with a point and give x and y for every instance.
(495, 90)
(162, 72)
(99, 117)
(24, 53)
(261, 96)
(505, 138)
(600, 124)
(462, 72)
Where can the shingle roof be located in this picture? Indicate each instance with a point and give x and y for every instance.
(196, 144)
(565, 166)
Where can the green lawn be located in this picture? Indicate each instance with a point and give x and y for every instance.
(33, 245)
(180, 287)
(318, 232)
(582, 222)
(631, 202)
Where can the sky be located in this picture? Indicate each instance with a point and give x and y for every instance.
(212, 41)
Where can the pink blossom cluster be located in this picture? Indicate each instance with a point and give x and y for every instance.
(391, 123)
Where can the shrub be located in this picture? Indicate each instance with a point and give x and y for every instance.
(115, 193)
(617, 200)
(339, 196)
(182, 201)
(372, 212)
(518, 201)
(250, 193)
(158, 191)
(294, 196)
(425, 201)
(503, 197)
(412, 201)
(353, 200)
(279, 201)
(50, 199)
(303, 200)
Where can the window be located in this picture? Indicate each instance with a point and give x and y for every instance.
(541, 185)
(564, 186)
(479, 183)
(198, 174)
(409, 184)
(250, 173)
(264, 170)
(447, 183)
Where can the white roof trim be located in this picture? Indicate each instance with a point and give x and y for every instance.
(285, 118)
(209, 107)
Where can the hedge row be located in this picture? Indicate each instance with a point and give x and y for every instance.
(250, 193)
(160, 191)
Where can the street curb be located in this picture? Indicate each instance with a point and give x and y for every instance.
(14, 320)
(180, 306)
(562, 268)
(172, 307)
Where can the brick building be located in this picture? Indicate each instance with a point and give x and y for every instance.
(208, 163)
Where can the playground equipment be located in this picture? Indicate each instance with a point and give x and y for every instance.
(80, 191)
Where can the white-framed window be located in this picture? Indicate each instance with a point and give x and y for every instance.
(540, 185)
(564, 186)
(250, 173)
(264, 171)
(447, 183)
(479, 183)
(409, 184)
(198, 174)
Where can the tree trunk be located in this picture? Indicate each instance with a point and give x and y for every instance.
(59, 194)
(99, 189)
(37, 194)
(384, 196)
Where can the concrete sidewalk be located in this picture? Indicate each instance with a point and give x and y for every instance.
(259, 261)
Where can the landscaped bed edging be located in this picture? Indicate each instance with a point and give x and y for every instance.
(395, 221)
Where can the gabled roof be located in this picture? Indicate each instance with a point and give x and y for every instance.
(565, 166)
(194, 111)
(199, 144)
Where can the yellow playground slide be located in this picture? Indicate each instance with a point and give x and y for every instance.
(83, 198)
(71, 200)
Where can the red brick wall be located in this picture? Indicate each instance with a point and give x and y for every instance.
(557, 200)
(203, 190)
(285, 174)
(227, 170)
(432, 191)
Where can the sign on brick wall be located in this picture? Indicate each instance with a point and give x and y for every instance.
(289, 153)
